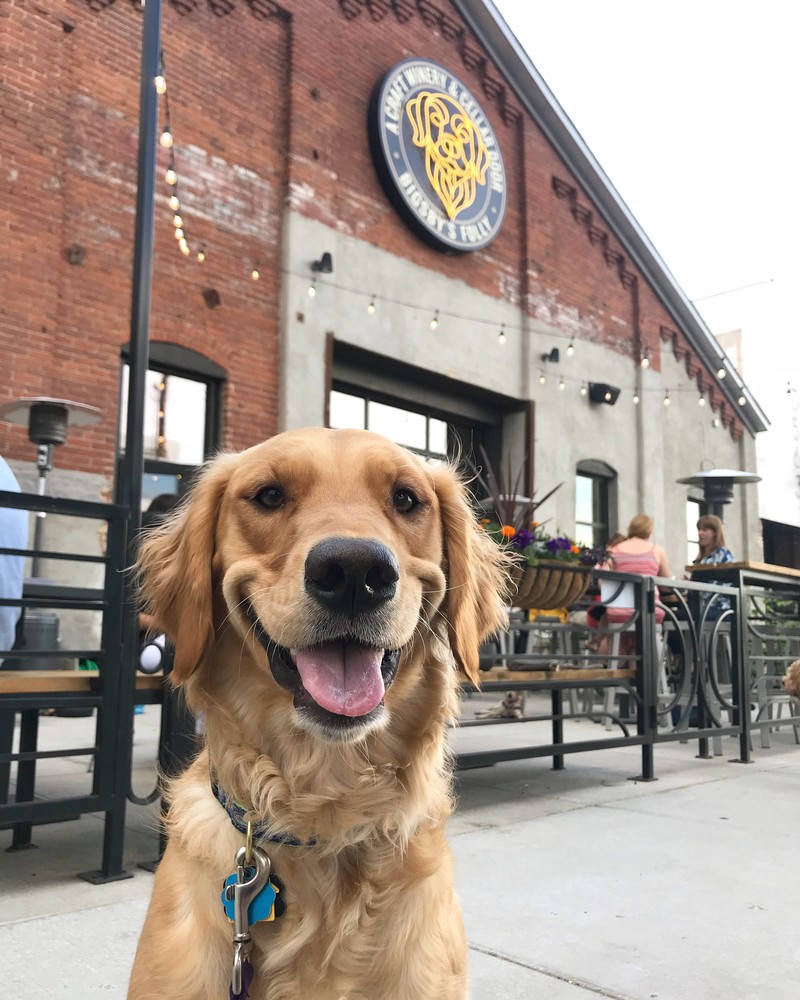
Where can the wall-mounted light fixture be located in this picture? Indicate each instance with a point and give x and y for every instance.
(599, 392)
(324, 265)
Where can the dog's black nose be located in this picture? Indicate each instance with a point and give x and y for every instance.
(351, 575)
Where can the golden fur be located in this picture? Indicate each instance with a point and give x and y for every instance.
(792, 679)
(371, 909)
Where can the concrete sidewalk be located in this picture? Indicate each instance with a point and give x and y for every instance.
(574, 884)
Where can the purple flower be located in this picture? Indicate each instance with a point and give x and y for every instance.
(522, 539)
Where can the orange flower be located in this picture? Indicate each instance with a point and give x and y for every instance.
(574, 548)
(507, 531)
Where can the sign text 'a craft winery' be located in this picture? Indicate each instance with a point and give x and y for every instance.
(437, 156)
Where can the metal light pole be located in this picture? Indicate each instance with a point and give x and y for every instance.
(129, 485)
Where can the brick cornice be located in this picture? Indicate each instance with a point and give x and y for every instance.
(706, 383)
(262, 10)
(437, 19)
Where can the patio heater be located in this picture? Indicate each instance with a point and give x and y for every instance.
(48, 421)
(718, 486)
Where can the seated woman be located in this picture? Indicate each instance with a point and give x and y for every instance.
(712, 552)
(636, 553)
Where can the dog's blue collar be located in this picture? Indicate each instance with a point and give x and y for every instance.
(237, 814)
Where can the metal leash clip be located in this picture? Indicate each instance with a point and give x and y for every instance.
(252, 874)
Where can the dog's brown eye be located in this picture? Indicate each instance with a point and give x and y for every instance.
(270, 497)
(404, 501)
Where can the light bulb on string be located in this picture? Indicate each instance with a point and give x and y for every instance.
(371, 306)
(584, 390)
(607, 396)
(184, 248)
(165, 139)
(501, 336)
(177, 221)
(173, 203)
(254, 274)
(666, 397)
(542, 378)
(160, 84)
(742, 400)
(645, 360)
(701, 400)
(435, 321)
(170, 176)
(201, 254)
(312, 288)
(179, 233)
(721, 373)
(571, 347)
(636, 397)
(562, 384)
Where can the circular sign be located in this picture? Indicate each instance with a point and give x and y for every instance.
(437, 156)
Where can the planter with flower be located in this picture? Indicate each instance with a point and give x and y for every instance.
(549, 570)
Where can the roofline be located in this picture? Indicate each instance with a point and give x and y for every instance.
(538, 100)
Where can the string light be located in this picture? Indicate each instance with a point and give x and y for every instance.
(312, 288)
(179, 234)
(721, 373)
(173, 203)
(255, 276)
(371, 306)
(201, 254)
(742, 400)
(184, 248)
(160, 84)
(607, 396)
(563, 382)
(645, 361)
(571, 347)
(165, 139)
(170, 176)
(701, 400)
(177, 221)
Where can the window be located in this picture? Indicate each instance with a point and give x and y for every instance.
(694, 510)
(181, 417)
(595, 502)
(436, 417)
(421, 433)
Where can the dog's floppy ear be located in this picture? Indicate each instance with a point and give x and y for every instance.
(175, 573)
(477, 575)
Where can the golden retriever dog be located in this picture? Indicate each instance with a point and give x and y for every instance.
(323, 590)
(791, 681)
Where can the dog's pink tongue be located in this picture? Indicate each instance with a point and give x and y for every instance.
(342, 677)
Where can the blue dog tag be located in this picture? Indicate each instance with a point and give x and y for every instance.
(261, 908)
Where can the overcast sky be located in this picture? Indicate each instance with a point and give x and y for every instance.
(691, 110)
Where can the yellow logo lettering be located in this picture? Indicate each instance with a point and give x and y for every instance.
(456, 157)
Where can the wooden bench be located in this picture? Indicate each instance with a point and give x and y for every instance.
(556, 680)
(26, 693)
(60, 681)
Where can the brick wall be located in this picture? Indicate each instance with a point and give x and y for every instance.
(268, 107)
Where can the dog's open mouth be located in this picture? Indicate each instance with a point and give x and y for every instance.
(344, 677)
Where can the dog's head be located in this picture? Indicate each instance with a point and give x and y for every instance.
(333, 557)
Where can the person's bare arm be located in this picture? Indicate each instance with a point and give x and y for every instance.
(663, 562)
